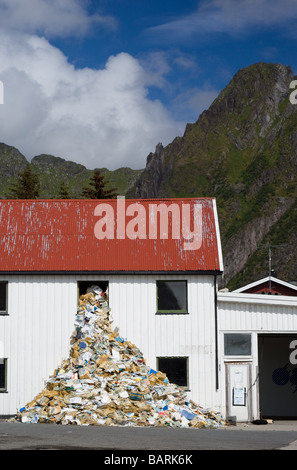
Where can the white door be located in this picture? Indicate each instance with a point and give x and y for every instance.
(238, 396)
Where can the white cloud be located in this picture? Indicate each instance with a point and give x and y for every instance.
(95, 117)
(98, 117)
(51, 17)
(231, 17)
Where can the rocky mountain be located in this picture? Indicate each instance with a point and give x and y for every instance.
(243, 151)
(53, 171)
(11, 163)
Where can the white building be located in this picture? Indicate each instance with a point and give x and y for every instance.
(161, 274)
(258, 339)
(162, 289)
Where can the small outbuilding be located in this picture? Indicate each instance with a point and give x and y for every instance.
(258, 351)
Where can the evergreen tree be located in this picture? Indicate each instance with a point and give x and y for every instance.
(97, 189)
(64, 191)
(27, 185)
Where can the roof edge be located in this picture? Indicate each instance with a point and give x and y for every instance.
(112, 199)
(266, 279)
(46, 273)
(218, 235)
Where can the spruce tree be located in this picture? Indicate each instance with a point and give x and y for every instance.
(97, 189)
(64, 191)
(27, 185)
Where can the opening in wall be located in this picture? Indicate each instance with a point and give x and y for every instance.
(83, 286)
(176, 369)
(3, 297)
(3, 375)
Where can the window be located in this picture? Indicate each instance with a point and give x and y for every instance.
(172, 297)
(176, 369)
(3, 297)
(83, 286)
(237, 344)
(3, 374)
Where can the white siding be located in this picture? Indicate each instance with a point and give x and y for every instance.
(133, 304)
(35, 335)
(255, 314)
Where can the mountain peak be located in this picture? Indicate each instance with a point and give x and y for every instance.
(243, 151)
(252, 96)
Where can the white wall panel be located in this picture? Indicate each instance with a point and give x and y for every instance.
(36, 333)
(190, 335)
(257, 312)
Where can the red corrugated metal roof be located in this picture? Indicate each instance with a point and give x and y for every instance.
(59, 235)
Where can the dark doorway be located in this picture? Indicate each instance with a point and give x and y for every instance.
(277, 376)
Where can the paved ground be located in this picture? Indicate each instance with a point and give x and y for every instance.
(282, 426)
(281, 435)
(287, 425)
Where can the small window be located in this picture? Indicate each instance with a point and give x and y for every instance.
(3, 375)
(3, 297)
(172, 297)
(83, 286)
(176, 369)
(237, 344)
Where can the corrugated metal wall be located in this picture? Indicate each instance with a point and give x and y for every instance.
(255, 314)
(191, 335)
(35, 335)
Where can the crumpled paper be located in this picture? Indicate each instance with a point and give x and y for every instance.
(105, 381)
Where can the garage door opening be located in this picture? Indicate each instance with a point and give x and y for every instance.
(277, 376)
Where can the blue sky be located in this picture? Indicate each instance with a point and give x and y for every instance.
(197, 45)
(102, 82)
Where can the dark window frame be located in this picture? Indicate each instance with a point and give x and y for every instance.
(170, 311)
(237, 335)
(4, 389)
(5, 311)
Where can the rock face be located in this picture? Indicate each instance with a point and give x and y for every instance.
(243, 114)
(243, 151)
(149, 185)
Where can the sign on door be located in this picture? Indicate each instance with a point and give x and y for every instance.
(238, 384)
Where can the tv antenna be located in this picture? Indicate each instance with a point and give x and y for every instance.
(270, 260)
